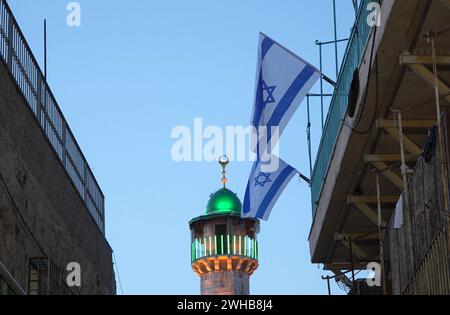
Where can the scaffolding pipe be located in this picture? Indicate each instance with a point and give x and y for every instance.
(308, 135)
(323, 77)
(321, 85)
(328, 278)
(381, 236)
(335, 40)
(406, 213)
(352, 264)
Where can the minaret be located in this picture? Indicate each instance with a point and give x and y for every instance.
(224, 249)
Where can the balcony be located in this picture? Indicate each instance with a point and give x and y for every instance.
(224, 245)
(338, 106)
(359, 159)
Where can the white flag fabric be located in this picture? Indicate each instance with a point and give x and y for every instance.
(282, 81)
(264, 189)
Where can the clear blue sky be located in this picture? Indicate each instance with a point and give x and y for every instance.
(136, 69)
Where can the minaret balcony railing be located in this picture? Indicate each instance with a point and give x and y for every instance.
(224, 245)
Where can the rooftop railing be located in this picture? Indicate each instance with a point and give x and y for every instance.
(338, 106)
(18, 57)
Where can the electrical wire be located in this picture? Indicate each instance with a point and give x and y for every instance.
(22, 218)
(118, 274)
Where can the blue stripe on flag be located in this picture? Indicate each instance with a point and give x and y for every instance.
(258, 101)
(266, 44)
(273, 191)
(246, 208)
(288, 98)
(290, 95)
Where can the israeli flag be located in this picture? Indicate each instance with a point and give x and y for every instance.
(282, 81)
(264, 189)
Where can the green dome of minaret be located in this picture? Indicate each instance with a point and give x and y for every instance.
(224, 201)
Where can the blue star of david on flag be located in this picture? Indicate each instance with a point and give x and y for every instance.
(262, 179)
(264, 189)
(269, 90)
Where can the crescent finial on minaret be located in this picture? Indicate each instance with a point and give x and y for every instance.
(224, 161)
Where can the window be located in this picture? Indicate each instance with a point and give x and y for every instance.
(45, 278)
(221, 239)
(221, 229)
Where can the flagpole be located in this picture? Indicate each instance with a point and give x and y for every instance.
(308, 132)
(335, 39)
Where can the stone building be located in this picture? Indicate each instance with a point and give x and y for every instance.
(380, 185)
(51, 206)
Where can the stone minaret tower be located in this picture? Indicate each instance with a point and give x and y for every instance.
(224, 249)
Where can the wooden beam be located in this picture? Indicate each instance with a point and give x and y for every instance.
(409, 145)
(357, 251)
(416, 123)
(370, 214)
(368, 158)
(357, 236)
(389, 174)
(344, 266)
(372, 199)
(428, 76)
(446, 3)
(408, 59)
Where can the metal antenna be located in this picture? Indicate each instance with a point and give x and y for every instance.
(335, 40)
(45, 49)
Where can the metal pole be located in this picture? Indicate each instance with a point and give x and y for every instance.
(328, 285)
(355, 4)
(381, 236)
(406, 213)
(328, 278)
(335, 39)
(308, 134)
(321, 84)
(352, 264)
(45, 49)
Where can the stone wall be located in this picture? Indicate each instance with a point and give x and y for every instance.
(229, 282)
(41, 213)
